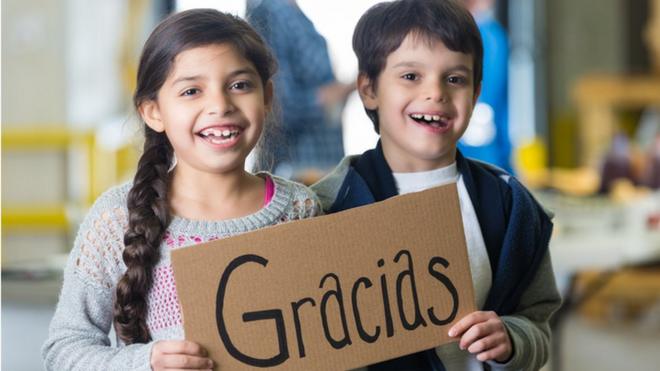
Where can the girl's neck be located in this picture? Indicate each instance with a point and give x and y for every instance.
(204, 196)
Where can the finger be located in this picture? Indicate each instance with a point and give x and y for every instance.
(468, 321)
(492, 353)
(185, 362)
(486, 343)
(181, 347)
(476, 333)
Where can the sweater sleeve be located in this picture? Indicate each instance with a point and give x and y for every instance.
(304, 204)
(529, 327)
(78, 334)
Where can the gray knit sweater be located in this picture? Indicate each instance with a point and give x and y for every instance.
(79, 332)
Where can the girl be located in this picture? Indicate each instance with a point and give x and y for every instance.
(203, 91)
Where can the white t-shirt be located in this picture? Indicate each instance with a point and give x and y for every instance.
(452, 357)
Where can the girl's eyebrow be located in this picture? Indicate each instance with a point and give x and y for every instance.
(186, 79)
(242, 71)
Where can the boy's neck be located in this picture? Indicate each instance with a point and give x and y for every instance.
(399, 164)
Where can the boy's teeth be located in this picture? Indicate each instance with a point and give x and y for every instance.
(427, 118)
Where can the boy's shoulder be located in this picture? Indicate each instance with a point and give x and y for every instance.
(329, 186)
(491, 178)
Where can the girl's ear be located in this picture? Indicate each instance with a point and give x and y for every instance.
(367, 92)
(268, 95)
(150, 113)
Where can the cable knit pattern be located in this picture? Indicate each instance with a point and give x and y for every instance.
(78, 335)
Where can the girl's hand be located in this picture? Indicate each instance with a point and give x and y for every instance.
(483, 334)
(179, 355)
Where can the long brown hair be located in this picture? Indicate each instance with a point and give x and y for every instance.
(148, 209)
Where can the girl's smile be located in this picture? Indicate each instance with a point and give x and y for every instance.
(221, 136)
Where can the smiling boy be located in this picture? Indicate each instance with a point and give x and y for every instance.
(420, 68)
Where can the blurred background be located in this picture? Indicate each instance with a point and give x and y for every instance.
(571, 105)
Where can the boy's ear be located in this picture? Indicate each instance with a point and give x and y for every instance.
(367, 92)
(150, 113)
(477, 92)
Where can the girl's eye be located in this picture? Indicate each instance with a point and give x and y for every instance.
(189, 92)
(241, 85)
(410, 76)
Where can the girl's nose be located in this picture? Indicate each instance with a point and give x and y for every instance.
(220, 104)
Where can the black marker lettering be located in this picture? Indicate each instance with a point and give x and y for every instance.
(273, 314)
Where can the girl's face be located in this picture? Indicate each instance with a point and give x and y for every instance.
(212, 107)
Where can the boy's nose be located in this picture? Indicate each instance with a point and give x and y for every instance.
(435, 93)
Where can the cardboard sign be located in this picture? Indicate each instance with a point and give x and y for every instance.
(329, 293)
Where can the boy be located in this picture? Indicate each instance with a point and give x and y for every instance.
(419, 78)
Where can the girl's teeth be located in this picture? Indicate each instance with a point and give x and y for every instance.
(436, 118)
(427, 117)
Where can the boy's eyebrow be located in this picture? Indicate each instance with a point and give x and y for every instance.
(238, 72)
(408, 64)
(460, 67)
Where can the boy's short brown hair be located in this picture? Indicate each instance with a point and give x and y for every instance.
(382, 29)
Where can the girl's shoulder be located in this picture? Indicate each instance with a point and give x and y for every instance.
(114, 198)
(96, 255)
(110, 210)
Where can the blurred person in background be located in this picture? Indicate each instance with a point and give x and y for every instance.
(310, 96)
(487, 137)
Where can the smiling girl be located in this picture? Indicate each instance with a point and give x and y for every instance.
(203, 91)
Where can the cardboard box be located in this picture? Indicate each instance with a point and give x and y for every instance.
(330, 293)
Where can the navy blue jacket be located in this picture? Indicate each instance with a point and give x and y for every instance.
(515, 228)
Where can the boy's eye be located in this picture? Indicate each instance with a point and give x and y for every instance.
(457, 80)
(189, 92)
(410, 76)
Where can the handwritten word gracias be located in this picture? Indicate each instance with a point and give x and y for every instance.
(421, 318)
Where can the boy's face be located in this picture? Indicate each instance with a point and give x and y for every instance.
(424, 98)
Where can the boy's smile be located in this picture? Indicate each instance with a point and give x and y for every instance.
(424, 98)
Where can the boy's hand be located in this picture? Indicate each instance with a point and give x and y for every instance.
(483, 334)
(179, 355)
